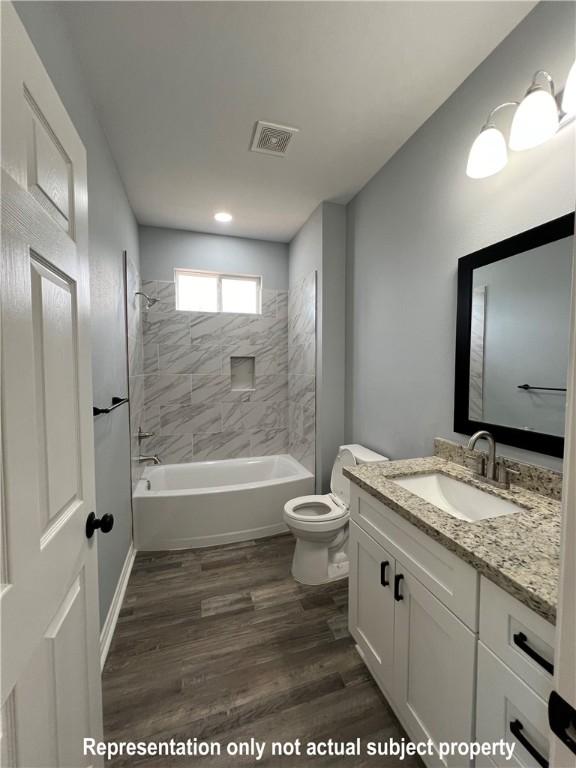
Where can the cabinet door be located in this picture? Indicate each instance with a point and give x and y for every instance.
(509, 709)
(371, 605)
(434, 655)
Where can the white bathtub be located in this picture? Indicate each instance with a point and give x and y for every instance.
(215, 502)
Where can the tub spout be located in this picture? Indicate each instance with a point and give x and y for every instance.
(154, 459)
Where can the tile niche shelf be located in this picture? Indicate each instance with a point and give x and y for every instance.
(242, 374)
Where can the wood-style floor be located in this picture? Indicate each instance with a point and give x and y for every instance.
(222, 644)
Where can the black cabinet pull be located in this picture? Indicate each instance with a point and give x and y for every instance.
(516, 729)
(521, 641)
(562, 720)
(397, 581)
(383, 573)
(105, 523)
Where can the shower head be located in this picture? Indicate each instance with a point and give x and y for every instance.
(150, 301)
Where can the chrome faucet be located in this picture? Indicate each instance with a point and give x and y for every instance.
(493, 471)
(487, 470)
(154, 459)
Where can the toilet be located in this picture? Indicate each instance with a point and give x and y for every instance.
(320, 523)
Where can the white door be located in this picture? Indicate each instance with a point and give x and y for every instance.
(565, 656)
(371, 604)
(434, 655)
(50, 682)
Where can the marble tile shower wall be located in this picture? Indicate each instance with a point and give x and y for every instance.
(189, 402)
(302, 371)
(135, 362)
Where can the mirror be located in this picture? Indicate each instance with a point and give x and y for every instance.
(512, 338)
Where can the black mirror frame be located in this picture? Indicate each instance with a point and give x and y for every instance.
(557, 229)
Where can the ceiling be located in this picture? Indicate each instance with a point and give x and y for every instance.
(179, 86)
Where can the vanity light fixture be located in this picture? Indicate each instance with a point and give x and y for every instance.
(569, 97)
(489, 153)
(223, 217)
(537, 118)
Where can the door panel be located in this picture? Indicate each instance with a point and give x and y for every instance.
(372, 604)
(35, 712)
(49, 170)
(434, 654)
(55, 344)
(52, 694)
(69, 665)
(50, 684)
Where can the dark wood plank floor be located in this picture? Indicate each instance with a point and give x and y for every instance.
(222, 644)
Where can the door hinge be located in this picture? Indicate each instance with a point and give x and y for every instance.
(562, 720)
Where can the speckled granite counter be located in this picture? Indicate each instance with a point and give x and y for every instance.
(519, 552)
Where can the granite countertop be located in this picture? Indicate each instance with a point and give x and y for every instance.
(518, 552)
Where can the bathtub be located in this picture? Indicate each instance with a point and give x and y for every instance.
(215, 502)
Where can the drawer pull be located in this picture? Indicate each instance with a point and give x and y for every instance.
(521, 641)
(384, 580)
(516, 729)
(562, 719)
(397, 581)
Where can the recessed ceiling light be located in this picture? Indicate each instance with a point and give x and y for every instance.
(223, 217)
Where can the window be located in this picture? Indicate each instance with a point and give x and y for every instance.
(209, 292)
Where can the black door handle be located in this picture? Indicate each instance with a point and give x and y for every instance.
(383, 573)
(521, 641)
(105, 523)
(516, 729)
(398, 579)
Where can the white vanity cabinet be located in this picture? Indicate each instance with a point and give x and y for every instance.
(421, 654)
(457, 657)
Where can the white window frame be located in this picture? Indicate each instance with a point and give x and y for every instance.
(221, 276)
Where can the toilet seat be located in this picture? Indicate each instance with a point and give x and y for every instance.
(315, 509)
(329, 511)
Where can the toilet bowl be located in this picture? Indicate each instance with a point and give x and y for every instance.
(320, 523)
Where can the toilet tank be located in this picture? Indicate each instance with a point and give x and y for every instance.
(349, 455)
(361, 454)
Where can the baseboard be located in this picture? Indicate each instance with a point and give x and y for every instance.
(110, 624)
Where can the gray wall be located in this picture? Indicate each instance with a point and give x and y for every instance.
(332, 359)
(163, 250)
(306, 248)
(321, 245)
(526, 337)
(112, 228)
(302, 303)
(419, 214)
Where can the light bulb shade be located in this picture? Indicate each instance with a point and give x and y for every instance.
(569, 97)
(535, 121)
(488, 154)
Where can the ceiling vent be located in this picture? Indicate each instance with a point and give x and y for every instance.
(272, 139)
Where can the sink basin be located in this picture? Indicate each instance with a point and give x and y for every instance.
(456, 498)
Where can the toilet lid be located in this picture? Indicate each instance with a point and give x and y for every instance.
(340, 485)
